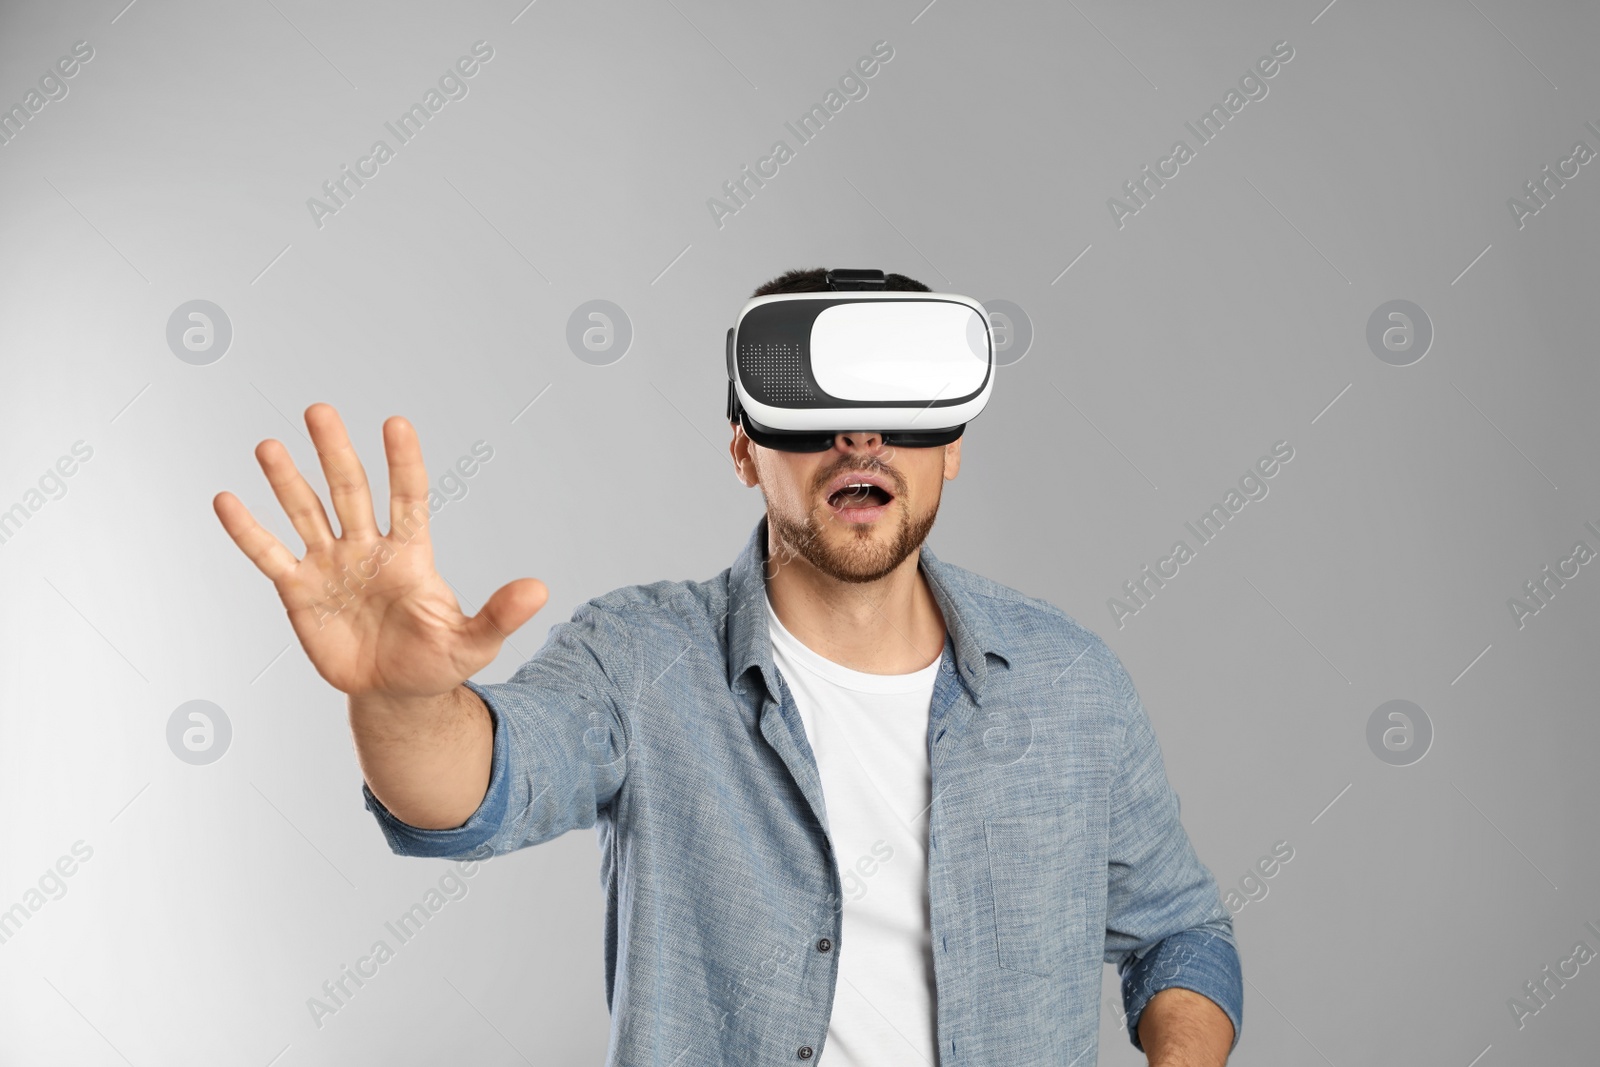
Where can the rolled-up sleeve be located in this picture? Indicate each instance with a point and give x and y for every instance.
(1165, 921)
(560, 745)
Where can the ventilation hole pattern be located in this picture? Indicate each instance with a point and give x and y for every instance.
(776, 369)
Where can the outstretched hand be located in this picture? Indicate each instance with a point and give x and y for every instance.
(372, 613)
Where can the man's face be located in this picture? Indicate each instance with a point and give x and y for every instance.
(857, 535)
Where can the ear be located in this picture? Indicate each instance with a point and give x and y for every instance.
(952, 459)
(744, 463)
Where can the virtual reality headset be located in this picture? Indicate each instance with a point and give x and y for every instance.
(804, 367)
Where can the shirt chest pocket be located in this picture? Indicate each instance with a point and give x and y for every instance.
(1039, 906)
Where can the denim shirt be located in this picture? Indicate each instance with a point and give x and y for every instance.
(656, 716)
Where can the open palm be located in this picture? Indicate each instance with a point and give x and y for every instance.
(370, 610)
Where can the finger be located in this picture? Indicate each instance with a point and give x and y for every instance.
(347, 478)
(263, 549)
(300, 501)
(511, 605)
(408, 482)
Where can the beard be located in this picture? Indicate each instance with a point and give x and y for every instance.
(864, 553)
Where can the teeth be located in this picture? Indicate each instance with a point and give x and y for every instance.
(856, 491)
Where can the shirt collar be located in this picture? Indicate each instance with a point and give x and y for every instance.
(972, 630)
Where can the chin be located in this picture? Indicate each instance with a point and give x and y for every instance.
(856, 553)
(866, 552)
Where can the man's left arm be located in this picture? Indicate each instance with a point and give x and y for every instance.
(1181, 1028)
(1166, 926)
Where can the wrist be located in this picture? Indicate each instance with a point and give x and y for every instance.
(387, 711)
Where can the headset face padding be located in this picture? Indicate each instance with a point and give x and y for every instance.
(813, 441)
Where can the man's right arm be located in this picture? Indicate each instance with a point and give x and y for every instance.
(427, 760)
(448, 758)
(514, 763)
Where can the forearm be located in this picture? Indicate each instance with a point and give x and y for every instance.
(1182, 1028)
(426, 760)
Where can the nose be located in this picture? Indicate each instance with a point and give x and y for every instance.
(869, 441)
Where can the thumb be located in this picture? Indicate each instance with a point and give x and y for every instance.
(511, 605)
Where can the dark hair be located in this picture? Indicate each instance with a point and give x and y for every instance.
(814, 280)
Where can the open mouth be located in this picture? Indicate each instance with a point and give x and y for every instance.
(860, 503)
(859, 496)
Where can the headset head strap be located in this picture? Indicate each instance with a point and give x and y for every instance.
(841, 279)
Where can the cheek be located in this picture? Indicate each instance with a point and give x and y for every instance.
(785, 475)
(925, 480)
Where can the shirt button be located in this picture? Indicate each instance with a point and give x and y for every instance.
(805, 1052)
(824, 945)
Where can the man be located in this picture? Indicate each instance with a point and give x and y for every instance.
(856, 805)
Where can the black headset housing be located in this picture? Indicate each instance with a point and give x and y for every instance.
(770, 365)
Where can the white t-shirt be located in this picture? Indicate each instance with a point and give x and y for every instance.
(869, 733)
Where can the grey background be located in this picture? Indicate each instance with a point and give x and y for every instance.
(1228, 314)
